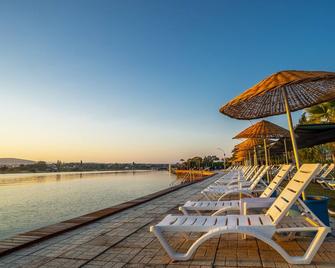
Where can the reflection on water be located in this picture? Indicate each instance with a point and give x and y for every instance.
(30, 201)
(57, 176)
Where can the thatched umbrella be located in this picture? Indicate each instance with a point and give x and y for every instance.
(237, 154)
(239, 159)
(281, 93)
(262, 130)
(248, 145)
(245, 154)
(240, 156)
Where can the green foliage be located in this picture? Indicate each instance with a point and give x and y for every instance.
(315, 154)
(321, 113)
(59, 165)
(197, 162)
(318, 114)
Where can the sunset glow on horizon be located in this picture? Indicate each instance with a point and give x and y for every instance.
(142, 81)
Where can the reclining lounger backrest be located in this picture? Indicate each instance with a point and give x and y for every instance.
(292, 191)
(277, 180)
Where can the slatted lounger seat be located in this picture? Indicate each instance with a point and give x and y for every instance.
(262, 227)
(221, 207)
(240, 181)
(215, 192)
(237, 175)
(240, 178)
(245, 171)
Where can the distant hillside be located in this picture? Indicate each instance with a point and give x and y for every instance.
(14, 162)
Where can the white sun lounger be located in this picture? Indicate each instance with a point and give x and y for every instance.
(234, 174)
(231, 175)
(222, 207)
(239, 178)
(240, 183)
(324, 180)
(247, 172)
(262, 227)
(220, 192)
(327, 172)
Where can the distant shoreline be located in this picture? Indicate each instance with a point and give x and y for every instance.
(44, 167)
(50, 173)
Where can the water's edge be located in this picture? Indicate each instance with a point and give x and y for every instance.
(40, 200)
(27, 238)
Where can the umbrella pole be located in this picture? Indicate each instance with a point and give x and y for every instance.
(294, 142)
(250, 162)
(286, 156)
(266, 160)
(255, 157)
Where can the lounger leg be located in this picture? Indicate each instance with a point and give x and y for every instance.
(310, 252)
(265, 237)
(315, 245)
(169, 250)
(244, 212)
(179, 256)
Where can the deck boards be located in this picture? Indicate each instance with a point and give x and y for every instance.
(124, 240)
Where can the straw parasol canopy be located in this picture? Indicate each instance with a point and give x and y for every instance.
(240, 156)
(240, 153)
(248, 144)
(238, 159)
(245, 147)
(303, 89)
(283, 92)
(263, 129)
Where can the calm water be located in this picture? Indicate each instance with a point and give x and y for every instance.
(30, 201)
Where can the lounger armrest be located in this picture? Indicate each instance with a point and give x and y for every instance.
(259, 189)
(224, 210)
(240, 185)
(235, 192)
(235, 181)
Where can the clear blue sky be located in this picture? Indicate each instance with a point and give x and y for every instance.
(143, 80)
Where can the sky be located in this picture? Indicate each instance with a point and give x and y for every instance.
(142, 81)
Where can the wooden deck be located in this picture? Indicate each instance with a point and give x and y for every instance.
(124, 240)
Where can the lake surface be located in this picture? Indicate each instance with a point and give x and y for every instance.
(30, 201)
